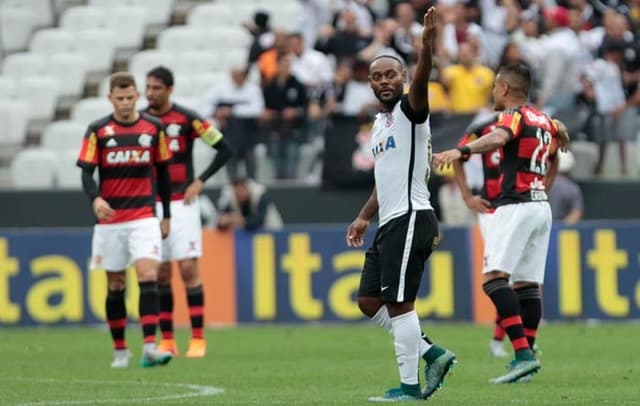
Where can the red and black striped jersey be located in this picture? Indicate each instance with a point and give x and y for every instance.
(527, 155)
(183, 126)
(126, 155)
(491, 161)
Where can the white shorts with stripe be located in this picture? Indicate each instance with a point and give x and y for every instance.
(518, 241)
(116, 246)
(185, 237)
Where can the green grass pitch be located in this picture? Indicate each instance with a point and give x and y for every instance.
(313, 365)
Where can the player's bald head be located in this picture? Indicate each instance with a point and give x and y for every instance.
(386, 61)
(517, 76)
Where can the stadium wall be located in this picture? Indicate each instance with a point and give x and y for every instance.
(306, 274)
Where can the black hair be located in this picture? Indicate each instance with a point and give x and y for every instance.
(395, 58)
(163, 74)
(518, 76)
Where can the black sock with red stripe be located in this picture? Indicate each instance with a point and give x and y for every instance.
(530, 310)
(116, 317)
(148, 307)
(506, 302)
(498, 331)
(195, 301)
(165, 299)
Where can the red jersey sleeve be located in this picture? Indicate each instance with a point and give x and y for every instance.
(89, 154)
(511, 122)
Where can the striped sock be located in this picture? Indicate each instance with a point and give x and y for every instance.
(165, 300)
(498, 331)
(116, 317)
(530, 310)
(148, 308)
(195, 300)
(506, 302)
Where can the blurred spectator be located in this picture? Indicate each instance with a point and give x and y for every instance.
(453, 209)
(315, 14)
(345, 42)
(565, 196)
(439, 103)
(407, 32)
(603, 85)
(246, 204)
(309, 66)
(468, 83)
(268, 60)
(382, 43)
(365, 17)
(527, 36)
(236, 104)
(511, 54)
(457, 30)
(359, 100)
(560, 63)
(284, 117)
(262, 36)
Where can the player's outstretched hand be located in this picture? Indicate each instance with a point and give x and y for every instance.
(102, 209)
(193, 190)
(444, 159)
(477, 204)
(430, 25)
(355, 232)
(165, 227)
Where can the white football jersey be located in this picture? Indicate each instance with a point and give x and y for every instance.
(401, 146)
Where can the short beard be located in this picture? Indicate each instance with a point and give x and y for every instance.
(389, 104)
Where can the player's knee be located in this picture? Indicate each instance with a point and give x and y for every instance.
(369, 306)
(147, 270)
(116, 282)
(189, 272)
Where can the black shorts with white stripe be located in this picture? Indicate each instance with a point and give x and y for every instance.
(395, 261)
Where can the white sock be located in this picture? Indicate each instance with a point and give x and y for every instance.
(406, 339)
(149, 347)
(382, 319)
(424, 346)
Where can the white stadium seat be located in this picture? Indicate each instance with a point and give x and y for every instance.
(182, 86)
(104, 89)
(51, 40)
(24, 64)
(16, 25)
(70, 69)
(207, 15)
(68, 175)
(63, 135)
(109, 3)
(90, 109)
(98, 45)
(8, 87)
(180, 38)
(142, 62)
(41, 9)
(33, 168)
(41, 93)
(231, 37)
(158, 11)
(129, 23)
(203, 82)
(14, 116)
(231, 58)
(192, 62)
(83, 18)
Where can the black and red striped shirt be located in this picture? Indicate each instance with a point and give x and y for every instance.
(491, 161)
(527, 155)
(126, 155)
(183, 126)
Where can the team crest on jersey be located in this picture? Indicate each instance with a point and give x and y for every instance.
(108, 130)
(388, 122)
(128, 156)
(384, 145)
(145, 140)
(173, 130)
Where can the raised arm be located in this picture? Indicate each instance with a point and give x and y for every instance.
(418, 95)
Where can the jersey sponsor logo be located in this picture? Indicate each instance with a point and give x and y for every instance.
(173, 130)
(145, 140)
(128, 156)
(537, 190)
(494, 158)
(111, 143)
(384, 145)
(536, 118)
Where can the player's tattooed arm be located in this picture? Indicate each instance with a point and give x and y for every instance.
(492, 141)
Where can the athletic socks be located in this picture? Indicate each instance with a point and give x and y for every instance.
(406, 340)
(165, 300)
(195, 301)
(506, 302)
(382, 319)
(530, 311)
(116, 317)
(148, 308)
(498, 331)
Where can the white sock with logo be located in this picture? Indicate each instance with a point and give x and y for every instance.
(406, 339)
(382, 319)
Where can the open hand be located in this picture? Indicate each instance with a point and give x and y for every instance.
(444, 159)
(430, 25)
